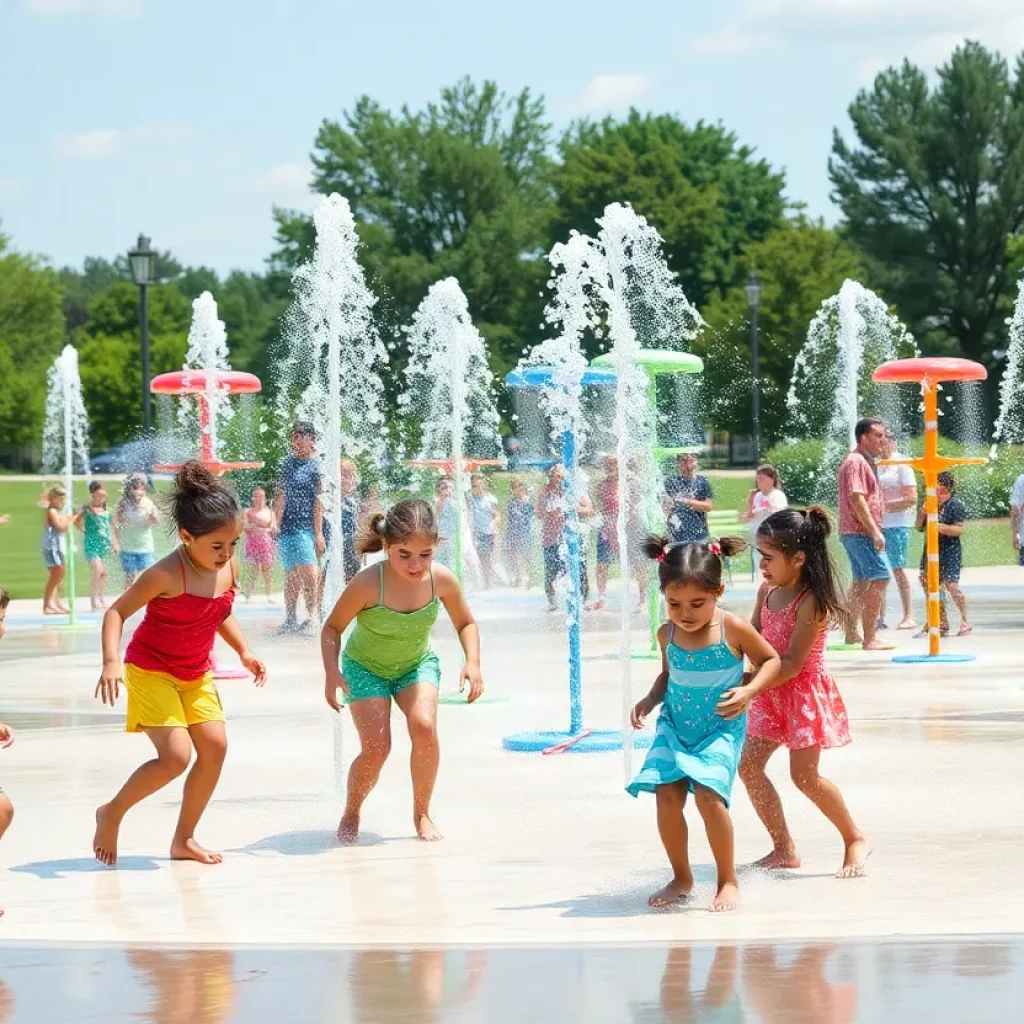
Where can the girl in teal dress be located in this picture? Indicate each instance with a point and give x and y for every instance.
(395, 604)
(695, 749)
(98, 542)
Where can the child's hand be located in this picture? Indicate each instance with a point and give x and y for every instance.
(471, 674)
(109, 686)
(335, 681)
(639, 714)
(6, 735)
(733, 703)
(253, 664)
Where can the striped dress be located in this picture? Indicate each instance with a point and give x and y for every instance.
(692, 741)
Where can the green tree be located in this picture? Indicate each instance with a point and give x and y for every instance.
(931, 191)
(800, 264)
(707, 195)
(460, 188)
(31, 336)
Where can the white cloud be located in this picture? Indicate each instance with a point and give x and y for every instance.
(96, 8)
(613, 93)
(94, 145)
(169, 133)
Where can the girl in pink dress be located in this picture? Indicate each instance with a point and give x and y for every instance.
(800, 708)
(259, 542)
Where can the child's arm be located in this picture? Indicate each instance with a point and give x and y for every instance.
(359, 594)
(231, 632)
(657, 692)
(58, 520)
(742, 635)
(6, 735)
(154, 582)
(453, 598)
(762, 596)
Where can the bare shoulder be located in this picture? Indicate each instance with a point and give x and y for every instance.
(663, 631)
(738, 632)
(446, 582)
(809, 610)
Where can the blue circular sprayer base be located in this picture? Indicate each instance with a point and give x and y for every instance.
(922, 659)
(597, 741)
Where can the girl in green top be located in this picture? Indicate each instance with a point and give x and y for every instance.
(387, 657)
(98, 542)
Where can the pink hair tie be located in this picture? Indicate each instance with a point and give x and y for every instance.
(664, 552)
(715, 548)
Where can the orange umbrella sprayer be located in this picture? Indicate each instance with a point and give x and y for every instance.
(930, 373)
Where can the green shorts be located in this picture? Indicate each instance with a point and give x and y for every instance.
(362, 683)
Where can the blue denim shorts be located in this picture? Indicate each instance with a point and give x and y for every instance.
(865, 561)
(134, 562)
(897, 546)
(296, 549)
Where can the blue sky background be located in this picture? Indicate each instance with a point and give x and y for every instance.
(188, 120)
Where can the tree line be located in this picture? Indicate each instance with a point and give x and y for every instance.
(929, 179)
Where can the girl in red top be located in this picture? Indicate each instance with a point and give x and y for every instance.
(801, 708)
(172, 698)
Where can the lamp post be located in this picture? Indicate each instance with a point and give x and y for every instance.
(753, 290)
(141, 261)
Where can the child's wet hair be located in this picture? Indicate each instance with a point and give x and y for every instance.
(699, 564)
(5, 598)
(55, 492)
(200, 502)
(792, 531)
(768, 470)
(947, 480)
(409, 518)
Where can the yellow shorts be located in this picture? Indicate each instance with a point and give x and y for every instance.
(157, 699)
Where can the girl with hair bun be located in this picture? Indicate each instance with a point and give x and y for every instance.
(800, 708)
(387, 658)
(696, 748)
(172, 698)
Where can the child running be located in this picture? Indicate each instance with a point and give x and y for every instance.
(800, 708)
(388, 657)
(55, 525)
(94, 522)
(172, 698)
(696, 748)
(6, 737)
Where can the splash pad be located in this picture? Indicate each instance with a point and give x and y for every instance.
(930, 373)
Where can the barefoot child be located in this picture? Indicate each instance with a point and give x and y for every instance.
(388, 657)
(55, 525)
(696, 749)
(801, 707)
(6, 736)
(94, 522)
(952, 516)
(171, 694)
(259, 543)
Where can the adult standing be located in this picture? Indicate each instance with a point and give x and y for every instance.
(899, 500)
(1016, 509)
(299, 514)
(134, 519)
(860, 530)
(687, 501)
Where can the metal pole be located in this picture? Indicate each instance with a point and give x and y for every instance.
(755, 363)
(574, 598)
(147, 411)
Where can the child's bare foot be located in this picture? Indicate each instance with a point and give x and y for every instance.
(189, 849)
(855, 859)
(104, 842)
(879, 645)
(908, 624)
(427, 830)
(779, 860)
(348, 830)
(677, 891)
(727, 899)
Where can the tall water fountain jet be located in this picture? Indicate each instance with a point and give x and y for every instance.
(1009, 428)
(66, 443)
(207, 350)
(330, 375)
(852, 334)
(450, 394)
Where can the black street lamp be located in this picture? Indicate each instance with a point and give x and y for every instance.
(753, 290)
(141, 261)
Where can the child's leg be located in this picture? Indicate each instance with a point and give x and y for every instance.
(718, 826)
(99, 581)
(855, 607)
(173, 752)
(372, 718)
(6, 816)
(765, 798)
(960, 600)
(211, 743)
(671, 799)
(268, 578)
(825, 795)
(419, 705)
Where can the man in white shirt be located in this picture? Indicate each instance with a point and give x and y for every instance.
(899, 496)
(1016, 508)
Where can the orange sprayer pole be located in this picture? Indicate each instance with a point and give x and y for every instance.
(930, 466)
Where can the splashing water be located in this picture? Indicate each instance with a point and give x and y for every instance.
(1009, 428)
(852, 334)
(450, 394)
(331, 372)
(207, 350)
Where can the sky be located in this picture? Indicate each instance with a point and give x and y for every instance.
(189, 120)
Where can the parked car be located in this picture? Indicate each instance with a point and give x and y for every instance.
(132, 457)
